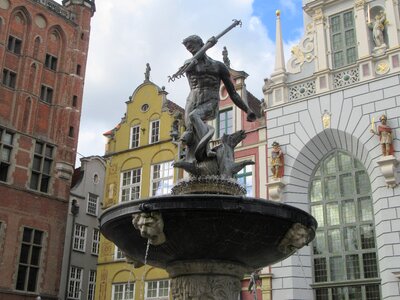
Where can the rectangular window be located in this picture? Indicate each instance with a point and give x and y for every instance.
(154, 131)
(41, 167)
(75, 283)
(157, 290)
(9, 78)
(225, 122)
(6, 146)
(51, 62)
(92, 202)
(130, 185)
(162, 178)
(95, 241)
(135, 136)
(79, 238)
(245, 179)
(343, 39)
(91, 284)
(123, 291)
(46, 94)
(118, 254)
(14, 45)
(29, 260)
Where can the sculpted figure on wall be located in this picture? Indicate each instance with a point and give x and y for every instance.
(385, 136)
(277, 161)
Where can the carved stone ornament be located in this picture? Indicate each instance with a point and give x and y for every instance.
(388, 165)
(151, 226)
(326, 119)
(297, 237)
(382, 67)
(303, 52)
(205, 280)
(359, 3)
(275, 188)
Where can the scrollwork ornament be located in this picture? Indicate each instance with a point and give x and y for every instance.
(358, 4)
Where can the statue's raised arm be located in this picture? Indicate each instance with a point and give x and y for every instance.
(210, 43)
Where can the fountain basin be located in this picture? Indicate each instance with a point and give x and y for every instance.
(246, 231)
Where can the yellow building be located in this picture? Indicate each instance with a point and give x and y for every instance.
(139, 156)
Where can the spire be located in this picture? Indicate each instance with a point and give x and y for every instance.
(279, 55)
(225, 57)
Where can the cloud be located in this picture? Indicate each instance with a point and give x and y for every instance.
(126, 34)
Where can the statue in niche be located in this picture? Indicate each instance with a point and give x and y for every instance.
(147, 73)
(378, 27)
(205, 75)
(277, 161)
(385, 136)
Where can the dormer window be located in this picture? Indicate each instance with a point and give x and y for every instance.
(343, 39)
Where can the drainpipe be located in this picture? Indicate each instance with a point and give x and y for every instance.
(74, 212)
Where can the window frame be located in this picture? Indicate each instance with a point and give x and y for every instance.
(79, 238)
(46, 161)
(5, 164)
(226, 127)
(166, 166)
(31, 244)
(124, 290)
(46, 94)
(340, 238)
(51, 62)
(154, 132)
(92, 204)
(76, 283)
(91, 284)
(134, 137)
(157, 289)
(95, 242)
(339, 39)
(14, 45)
(9, 78)
(119, 254)
(131, 185)
(244, 173)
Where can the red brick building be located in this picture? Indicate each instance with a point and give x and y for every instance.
(43, 53)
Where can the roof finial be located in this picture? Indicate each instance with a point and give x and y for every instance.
(147, 73)
(279, 55)
(225, 57)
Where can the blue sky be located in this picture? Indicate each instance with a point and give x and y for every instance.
(126, 34)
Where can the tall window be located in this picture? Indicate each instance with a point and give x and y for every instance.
(343, 39)
(75, 283)
(130, 185)
(9, 78)
(245, 179)
(6, 146)
(225, 122)
(157, 290)
(92, 204)
(345, 260)
(79, 238)
(51, 62)
(123, 291)
(46, 94)
(41, 167)
(135, 136)
(91, 284)
(154, 131)
(162, 178)
(29, 260)
(14, 45)
(95, 241)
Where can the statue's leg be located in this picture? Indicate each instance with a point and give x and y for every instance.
(204, 134)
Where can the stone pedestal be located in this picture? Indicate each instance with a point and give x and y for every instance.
(205, 280)
(388, 165)
(275, 187)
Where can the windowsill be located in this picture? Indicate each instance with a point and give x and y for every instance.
(45, 102)
(50, 69)
(8, 87)
(92, 215)
(80, 251)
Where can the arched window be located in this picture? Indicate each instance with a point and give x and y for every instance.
(345, 262)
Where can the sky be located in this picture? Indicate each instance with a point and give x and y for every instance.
(127, 34)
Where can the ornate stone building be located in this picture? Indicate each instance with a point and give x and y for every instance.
(43, 46)
(324, 108)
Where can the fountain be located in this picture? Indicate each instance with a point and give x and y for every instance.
(207, 234)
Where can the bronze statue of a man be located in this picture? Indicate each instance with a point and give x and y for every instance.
(205, 77)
